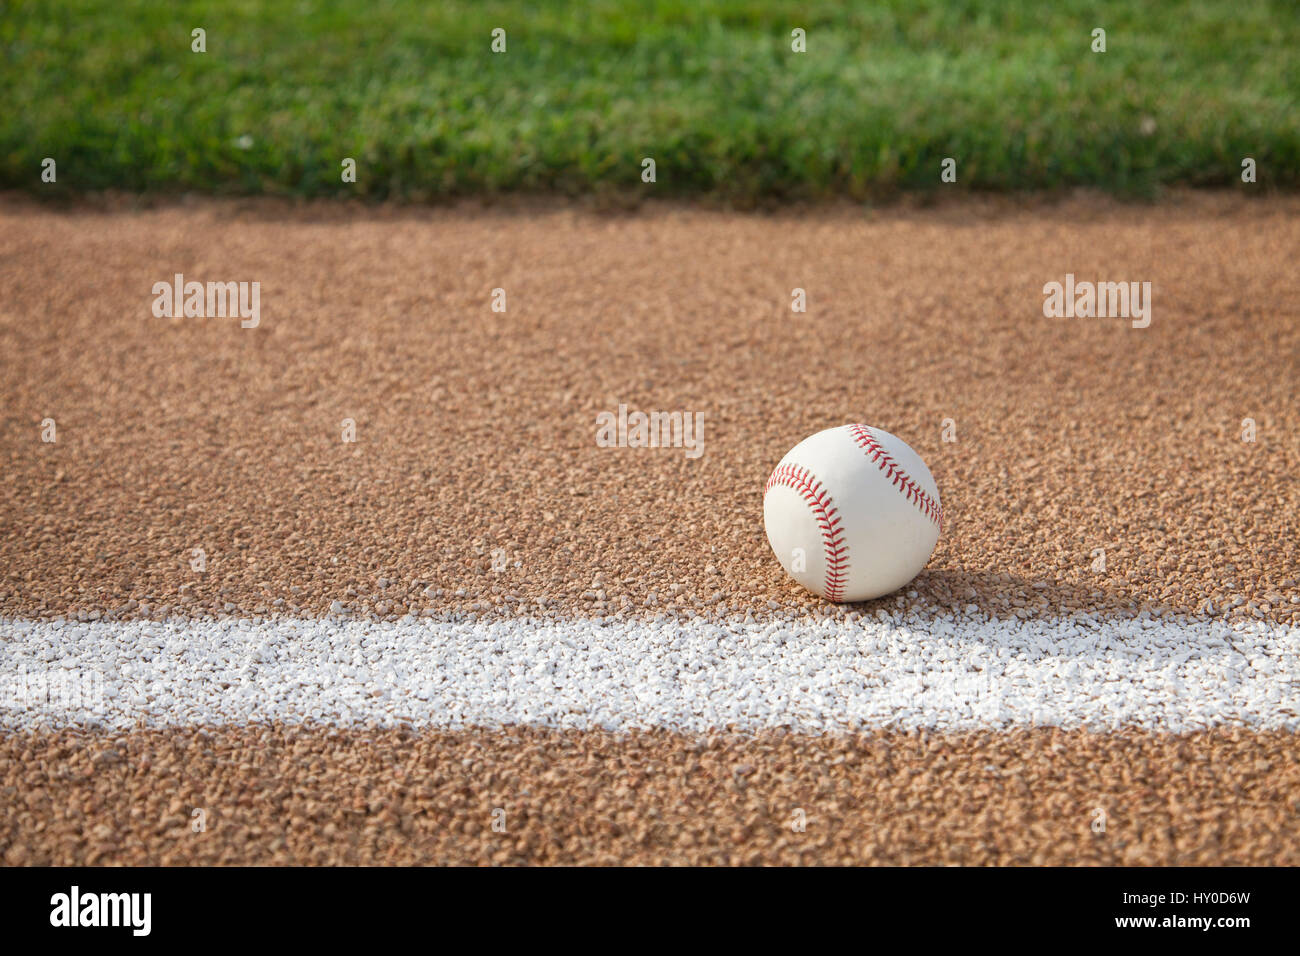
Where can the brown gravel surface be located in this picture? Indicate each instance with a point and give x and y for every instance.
(476, 430)
(476, 442)
(320, 796)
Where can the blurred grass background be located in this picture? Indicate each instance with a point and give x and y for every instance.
(709, 89)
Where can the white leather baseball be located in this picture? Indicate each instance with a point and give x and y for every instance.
(852, 513)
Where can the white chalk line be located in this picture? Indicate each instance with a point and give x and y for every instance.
(900, 669)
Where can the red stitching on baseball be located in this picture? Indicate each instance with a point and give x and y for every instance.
(894, 472)
(827, 517)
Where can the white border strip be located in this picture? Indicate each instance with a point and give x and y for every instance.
(883, 670)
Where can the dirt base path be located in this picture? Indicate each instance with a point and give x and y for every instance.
(293, 795)
(475, 430)
(1092, 466)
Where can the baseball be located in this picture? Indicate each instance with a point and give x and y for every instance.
(852, 513)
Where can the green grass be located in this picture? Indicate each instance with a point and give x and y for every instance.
(710, 90)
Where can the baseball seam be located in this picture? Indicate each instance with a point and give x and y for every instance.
(827, 516)
(896, 475)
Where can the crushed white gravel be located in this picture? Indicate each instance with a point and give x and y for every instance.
(899, 670)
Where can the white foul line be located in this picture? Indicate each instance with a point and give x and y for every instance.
(947, 672)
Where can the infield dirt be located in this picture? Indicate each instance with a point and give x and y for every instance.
(476, 484)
